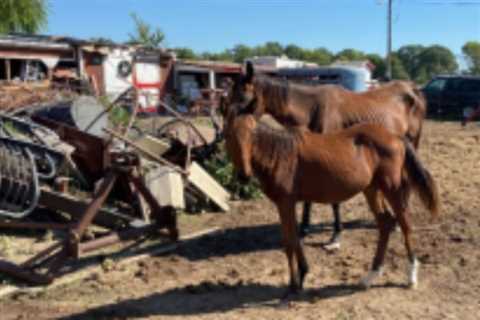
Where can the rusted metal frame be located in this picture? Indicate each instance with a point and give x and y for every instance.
(33, 225)
(116, 237)
(35, 260)
(91, 153)
(75, 208)
(146, 152)
(16, 271)
(93, 208)
(182, 119)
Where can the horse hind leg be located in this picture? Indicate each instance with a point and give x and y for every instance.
(385, 223)
(305, 224)
(334, 242)
(399, 203)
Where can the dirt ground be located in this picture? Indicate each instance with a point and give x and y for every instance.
(241, 272)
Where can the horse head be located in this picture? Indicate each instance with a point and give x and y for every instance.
(238, 131)
(244, 94)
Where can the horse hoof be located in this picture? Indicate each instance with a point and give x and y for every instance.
(304, 231)
(364, 284)
(332, 246)
(412, 285)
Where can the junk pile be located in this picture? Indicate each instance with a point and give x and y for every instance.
(18, 96)
(66, 161)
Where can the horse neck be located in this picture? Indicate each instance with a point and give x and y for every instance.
(274, 154)
(289, 104)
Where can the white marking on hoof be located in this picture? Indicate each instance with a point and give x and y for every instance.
(332, 246)
(413, 274)
(366, 282)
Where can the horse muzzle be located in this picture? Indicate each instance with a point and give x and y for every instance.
(243, 178)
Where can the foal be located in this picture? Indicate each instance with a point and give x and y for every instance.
(299, 165)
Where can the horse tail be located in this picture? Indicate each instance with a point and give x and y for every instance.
(421, 179)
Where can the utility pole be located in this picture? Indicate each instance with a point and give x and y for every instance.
(388, 59)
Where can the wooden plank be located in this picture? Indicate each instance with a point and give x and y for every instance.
(208, 186)
(153, 144)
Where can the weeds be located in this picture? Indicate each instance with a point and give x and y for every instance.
(222, 169)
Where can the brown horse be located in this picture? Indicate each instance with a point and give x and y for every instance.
(298, 165)
(398, 106)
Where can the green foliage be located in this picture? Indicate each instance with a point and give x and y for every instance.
(398, 69)
(379, 63)
(410, 57)
(435, 60)
(185, 53)
(29, 16)
(144, 34)
(240, 52)
(422, 63)
(222, 169)
(118, 115)
(350, 55)
(321, 56)
(471, 50)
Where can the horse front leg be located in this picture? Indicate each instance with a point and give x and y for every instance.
(293, 247)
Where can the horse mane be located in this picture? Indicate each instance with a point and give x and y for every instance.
(275, 91)
(275, 152)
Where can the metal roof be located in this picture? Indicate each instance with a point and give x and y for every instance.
(36, 42)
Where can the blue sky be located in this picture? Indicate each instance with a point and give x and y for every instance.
(213, 25)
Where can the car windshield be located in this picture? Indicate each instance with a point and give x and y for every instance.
(436, 85)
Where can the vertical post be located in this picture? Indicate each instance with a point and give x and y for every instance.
(212, 86)
(8, 69)
(388, 59)
(80, 61)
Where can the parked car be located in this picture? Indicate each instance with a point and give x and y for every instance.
(453, 96)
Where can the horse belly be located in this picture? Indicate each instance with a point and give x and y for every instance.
(333, 185)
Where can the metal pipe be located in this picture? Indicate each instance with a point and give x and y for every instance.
(115, 238)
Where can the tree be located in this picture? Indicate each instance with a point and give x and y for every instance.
(241, 52)
(270, 48)
(185, 53)
(435, 60)
(410, 56)
(294, 52)
(350, 55)
(379, 63)
(144, 34)
(28, 16)
(398, 69)
(320, 56)
(471, 50)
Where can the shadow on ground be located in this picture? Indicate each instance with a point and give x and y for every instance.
(207, 298)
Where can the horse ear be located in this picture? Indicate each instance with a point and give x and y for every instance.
(250, 72)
